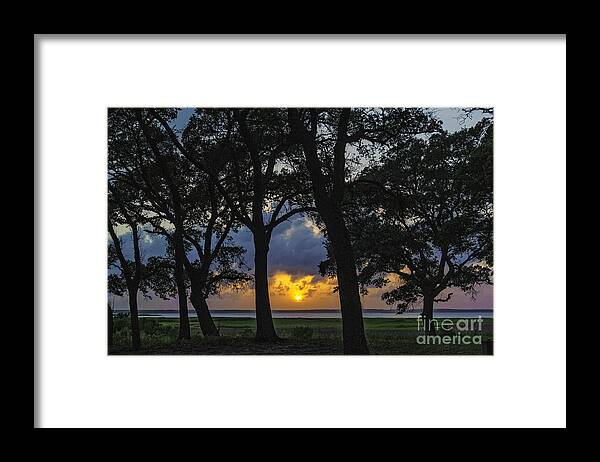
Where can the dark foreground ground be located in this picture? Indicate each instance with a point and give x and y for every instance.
(301, 337)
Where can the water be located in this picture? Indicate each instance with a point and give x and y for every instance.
(320, 314)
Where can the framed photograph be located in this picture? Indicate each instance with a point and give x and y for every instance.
(284, 223)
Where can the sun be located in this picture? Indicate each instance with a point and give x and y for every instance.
(298, 297)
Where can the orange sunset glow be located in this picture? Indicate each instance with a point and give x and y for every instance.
(296, 292)
(289, 291)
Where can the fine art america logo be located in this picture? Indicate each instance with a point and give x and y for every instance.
(449, 331)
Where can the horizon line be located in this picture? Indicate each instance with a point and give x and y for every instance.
(309, 309)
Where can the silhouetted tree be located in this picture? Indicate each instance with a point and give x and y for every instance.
(258, 190)
(214, 270)
(131, 158)
(327, 136)
(180, 203)
(424, 214)
(170, 175)
(129, 276)
(223, 272)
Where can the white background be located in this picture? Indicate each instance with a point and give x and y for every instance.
(523, 384)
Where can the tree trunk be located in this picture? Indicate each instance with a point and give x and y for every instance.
(355, 342)
(184, 321)
(207, 325)
(110, 325)
(427, 314)
(265, 330)
(330, 211)
(135, 322)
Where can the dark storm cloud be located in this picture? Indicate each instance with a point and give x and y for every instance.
(294, 249)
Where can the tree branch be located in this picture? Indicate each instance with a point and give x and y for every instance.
(288, 215)
(445, 299)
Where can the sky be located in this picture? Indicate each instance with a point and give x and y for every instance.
(295, 251)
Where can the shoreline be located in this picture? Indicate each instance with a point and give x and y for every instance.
(317, 314)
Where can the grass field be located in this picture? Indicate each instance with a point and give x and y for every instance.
(300, 337)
